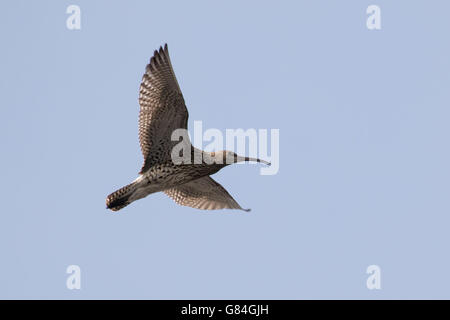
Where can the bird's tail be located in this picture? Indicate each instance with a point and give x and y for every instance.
(120, 198)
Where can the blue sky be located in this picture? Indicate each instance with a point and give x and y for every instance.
(364, 158)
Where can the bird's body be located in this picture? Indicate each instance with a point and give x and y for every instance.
(163, 111)
(161, 177)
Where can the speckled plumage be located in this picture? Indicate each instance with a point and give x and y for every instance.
(162, 110)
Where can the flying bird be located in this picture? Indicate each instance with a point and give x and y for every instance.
(162, 110)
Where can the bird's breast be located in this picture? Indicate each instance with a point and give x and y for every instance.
(169, 175)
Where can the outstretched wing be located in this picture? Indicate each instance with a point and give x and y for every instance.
(203, 193)
(162, 109)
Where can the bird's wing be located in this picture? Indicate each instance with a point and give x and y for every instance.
(162, 109)
(203, 193)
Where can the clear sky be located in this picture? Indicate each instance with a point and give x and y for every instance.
(364, 174)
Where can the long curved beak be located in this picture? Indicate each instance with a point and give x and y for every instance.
(241, 159)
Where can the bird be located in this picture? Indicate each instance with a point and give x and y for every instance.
(163, 110)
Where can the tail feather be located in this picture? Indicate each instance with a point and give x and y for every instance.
(120, 198)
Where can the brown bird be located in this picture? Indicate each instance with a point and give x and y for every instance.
(162, 110)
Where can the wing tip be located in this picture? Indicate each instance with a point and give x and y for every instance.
(159, 57)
